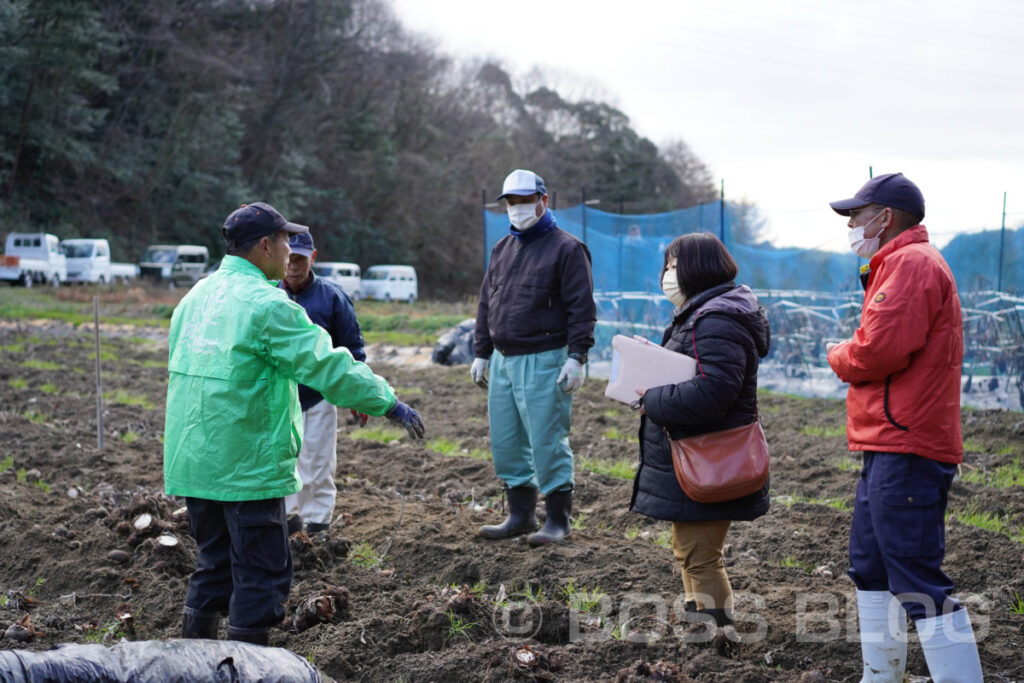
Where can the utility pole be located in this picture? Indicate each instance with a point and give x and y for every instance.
(1002, 236)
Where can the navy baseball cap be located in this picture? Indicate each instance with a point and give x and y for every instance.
(252, 221)
(522, 183)
(301, 243)
(891, 189)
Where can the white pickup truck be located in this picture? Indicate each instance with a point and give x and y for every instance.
(32, 258)
(88, 260)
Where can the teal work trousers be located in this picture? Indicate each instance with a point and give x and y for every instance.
(529, 417)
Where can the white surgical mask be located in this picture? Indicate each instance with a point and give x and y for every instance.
(523, 216)
(863, 246)
(670, 285)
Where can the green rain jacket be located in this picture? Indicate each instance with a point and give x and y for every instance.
(238, 348)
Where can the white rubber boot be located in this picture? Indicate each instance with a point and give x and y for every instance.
(949, 648)
(883, 637)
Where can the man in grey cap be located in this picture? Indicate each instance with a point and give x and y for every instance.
(326, 304)
(534, 326)
(903, 412)
(238, 348)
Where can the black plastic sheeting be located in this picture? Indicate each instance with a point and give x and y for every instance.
(157, 661)
(455, 345)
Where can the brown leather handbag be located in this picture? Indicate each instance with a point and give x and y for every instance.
(720, 466)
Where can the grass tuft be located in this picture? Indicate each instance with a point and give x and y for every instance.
(381, 434)
(582, 599)
(617, 469)
(1000, 477)
(364, 555)
(826, 431)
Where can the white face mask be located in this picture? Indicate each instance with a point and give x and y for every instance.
(670, 285)
(523, 216)
(863, 246)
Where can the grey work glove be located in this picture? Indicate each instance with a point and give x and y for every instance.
(478, 371)
(572, 375)
(402, 414)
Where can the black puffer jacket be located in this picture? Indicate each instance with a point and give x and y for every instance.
(731, 335)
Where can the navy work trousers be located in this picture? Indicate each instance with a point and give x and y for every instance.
(898, 536)
(245, 564)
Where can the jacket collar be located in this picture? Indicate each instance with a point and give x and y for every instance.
(237, 264)
(918, 233)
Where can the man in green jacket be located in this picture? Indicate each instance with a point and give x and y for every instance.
(238, 349)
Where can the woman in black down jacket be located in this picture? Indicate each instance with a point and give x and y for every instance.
(721, 325)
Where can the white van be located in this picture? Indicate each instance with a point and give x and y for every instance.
(391, 283)
(89, 261)
(348, 275)
(175, 264)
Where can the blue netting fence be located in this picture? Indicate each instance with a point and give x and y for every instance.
(811, 296)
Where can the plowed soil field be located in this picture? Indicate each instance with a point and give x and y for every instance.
(407, 590)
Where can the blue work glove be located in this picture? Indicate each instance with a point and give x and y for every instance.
(478, 371)
(572, 375)
(402, 414)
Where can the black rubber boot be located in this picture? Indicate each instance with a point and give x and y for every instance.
(556, 527)
(522, 515)
(196, 624)
(294, 525)
(722, 617)
(256, 636)
(316, 527)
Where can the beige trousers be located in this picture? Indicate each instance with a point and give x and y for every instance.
(698, 550)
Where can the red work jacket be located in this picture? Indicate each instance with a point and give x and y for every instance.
(903, 363)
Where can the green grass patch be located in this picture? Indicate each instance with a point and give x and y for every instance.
(122, 397)
(1000, 477)
(129, 436)
(450, 448)
(381, 434)
(457, 626)
(632, 533)
(826, 431)
(37, 364)
(160, 364)
(617, 469)
(1017, 603)
(16, 347)
(613, 414)
(837, 503)
(790, 561)
(582, 599)
(616, 434)
(48, 388)
(106, 355)
(578, 522)
(18, 382)
(409, 391)
(41, 485)
(6, 463)
(34, 416)
(443, 446)
(848, 464)
(664, 538)
(364, 555)
(1000, 524)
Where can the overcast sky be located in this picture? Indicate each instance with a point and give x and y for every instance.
(789, 101)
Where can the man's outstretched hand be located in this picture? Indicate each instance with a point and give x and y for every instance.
(402, 414)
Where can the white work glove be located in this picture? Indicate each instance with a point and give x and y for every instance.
(478, 371)
(572, 375)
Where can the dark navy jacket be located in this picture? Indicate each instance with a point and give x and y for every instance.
(328, 306)
(731, 335)
(537, 294)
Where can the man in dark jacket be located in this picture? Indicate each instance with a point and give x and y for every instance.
(328, 306)
(534, 326)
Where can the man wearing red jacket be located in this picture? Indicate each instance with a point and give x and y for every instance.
(903, 411)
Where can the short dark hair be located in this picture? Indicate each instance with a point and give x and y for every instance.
(702, 262)
(233, 248)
